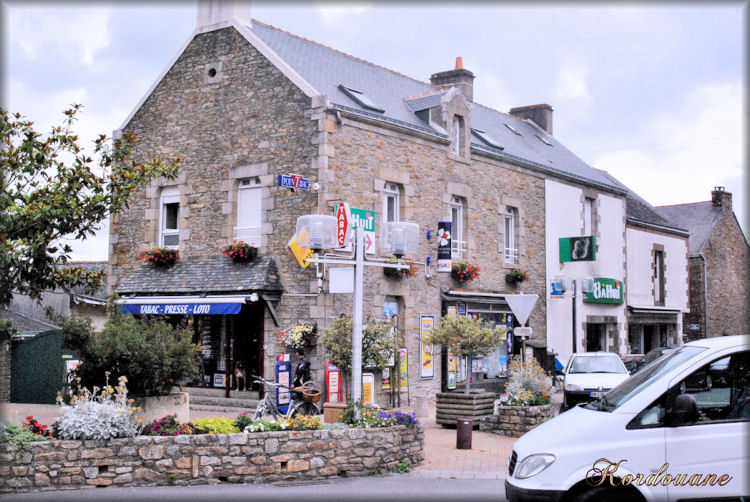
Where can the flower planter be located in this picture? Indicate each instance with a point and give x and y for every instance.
(239, 252)
(451, 406)
(513, 279)
(160, 257)
(515, 421)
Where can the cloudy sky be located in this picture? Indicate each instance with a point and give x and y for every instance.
(652, 93)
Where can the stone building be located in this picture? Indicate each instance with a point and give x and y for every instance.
(244, 103)
(719, 265)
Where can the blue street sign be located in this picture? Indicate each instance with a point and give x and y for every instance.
(182, 308)
(293, 181)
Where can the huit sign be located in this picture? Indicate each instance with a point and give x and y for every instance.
(603, 290)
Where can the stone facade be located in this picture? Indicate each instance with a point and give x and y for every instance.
(205, 459)
(727, 262)
(515, 421)
(249, 120)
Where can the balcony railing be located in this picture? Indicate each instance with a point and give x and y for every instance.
(458, 248)
(510, 255)
(248, 235)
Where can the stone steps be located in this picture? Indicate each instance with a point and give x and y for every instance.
(219, 392)
(231, 402)
(221, 409)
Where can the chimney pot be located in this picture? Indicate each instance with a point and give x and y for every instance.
(721, 198)
(459, 77)
(459, 63)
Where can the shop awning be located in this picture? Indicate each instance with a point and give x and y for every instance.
(183, 305)
(651, 314)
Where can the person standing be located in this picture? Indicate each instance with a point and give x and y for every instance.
(302, 371)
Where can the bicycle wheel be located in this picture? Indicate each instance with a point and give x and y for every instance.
(260, 410)
(305, 409)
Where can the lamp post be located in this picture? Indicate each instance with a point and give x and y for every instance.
(319, 232)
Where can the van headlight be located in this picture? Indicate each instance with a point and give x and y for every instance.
(572, 387)
(533, 465)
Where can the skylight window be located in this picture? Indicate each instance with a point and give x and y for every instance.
(486, 138)
(361, 98)
(515, 131)
(544, 140)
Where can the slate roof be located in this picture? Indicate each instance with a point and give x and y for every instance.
(638, 209)
(698, 217)
(215, 276)
(25, 324)
(326, 68)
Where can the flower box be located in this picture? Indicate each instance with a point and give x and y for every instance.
(165, 257)
(240, 251)
(299, 336)
(400, 273)
(465, 271)
(516, 275)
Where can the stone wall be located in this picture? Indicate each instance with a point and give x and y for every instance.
(211, 458)
(515, 421)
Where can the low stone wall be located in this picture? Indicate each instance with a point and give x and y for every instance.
(210, 458)
(515, 421)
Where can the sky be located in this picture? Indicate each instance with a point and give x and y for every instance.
(652, 93)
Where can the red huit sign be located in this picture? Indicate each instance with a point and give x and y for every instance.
(342, 223)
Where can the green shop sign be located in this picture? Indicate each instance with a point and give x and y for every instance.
(602, 290)
(578, 248)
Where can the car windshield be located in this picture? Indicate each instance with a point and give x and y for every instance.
(654, 355)
(597, 364)
(638, 382)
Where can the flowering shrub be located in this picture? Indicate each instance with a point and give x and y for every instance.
(165, 426)
(528, 385)
(263, 426)
(465, 271)
(240, 251)
(94, 415)
(401, 273)
(160, 256)
(35, 427)
(297, 336)
(302, 423)
(19, 435)
(215, 425)
(370, 418)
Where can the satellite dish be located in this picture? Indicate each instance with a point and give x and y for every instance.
(521, 305)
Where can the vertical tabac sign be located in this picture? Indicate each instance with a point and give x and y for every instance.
(343, 219)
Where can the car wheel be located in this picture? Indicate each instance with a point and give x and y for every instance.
(608, 493)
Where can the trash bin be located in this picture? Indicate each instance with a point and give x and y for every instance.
(464, 427)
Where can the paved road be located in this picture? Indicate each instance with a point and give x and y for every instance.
(392, 487)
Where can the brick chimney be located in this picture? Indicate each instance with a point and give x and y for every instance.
(721, 198)
(211, 12)
(541, 115)
(459, 77)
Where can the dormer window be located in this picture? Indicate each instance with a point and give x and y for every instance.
(361, 99)
(486, 139)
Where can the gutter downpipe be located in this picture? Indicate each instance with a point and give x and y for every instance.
(575, 335)
(705, 297)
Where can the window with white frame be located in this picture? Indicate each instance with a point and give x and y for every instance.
(588, 213)
(658, 277)
(456, 133)
(458, 241)
(169, 203)
(510, 220)
(391, 194)
(249, 213)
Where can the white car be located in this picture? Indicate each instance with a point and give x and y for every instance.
(667, 433)
(589, 375)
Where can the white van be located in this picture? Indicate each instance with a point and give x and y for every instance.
(676, 430)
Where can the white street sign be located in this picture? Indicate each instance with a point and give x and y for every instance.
(521, 305)
(523, 333)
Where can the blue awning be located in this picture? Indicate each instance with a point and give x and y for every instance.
(183, 305)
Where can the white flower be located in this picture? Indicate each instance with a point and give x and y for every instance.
(443, 236)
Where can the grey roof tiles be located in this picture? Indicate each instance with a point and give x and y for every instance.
(196, 276)
(698, 217)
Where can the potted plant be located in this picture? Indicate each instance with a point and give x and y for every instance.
(400, 273)
(164, 257)
(240, 251)
(464, 336)
(465, 271)
(298, 336)
(516, 275)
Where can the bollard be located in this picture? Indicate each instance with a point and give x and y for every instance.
(464, 427)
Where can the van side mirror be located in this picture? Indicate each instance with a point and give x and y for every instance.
(684, 411)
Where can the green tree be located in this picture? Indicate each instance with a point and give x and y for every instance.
(153, 355)
(466, 336)
(379, 342)
(50, 190)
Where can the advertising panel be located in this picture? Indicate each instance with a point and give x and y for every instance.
(404, 369)
(427, 366)
(444, 247)
(604, 290)
(577, 248)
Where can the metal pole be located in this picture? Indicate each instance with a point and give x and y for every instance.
(575, 336)
(359, 276)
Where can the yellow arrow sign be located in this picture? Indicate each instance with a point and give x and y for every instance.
(299, 253)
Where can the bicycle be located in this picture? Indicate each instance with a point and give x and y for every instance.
(304, 406)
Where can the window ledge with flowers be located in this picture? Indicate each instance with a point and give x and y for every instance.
(240, 252)
(400, 273)
(516, 276)
(526, 404)
(465, 272)
(164, 257)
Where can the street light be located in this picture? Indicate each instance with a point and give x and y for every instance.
(398, 237)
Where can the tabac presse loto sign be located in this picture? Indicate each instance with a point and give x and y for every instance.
(182, 308)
